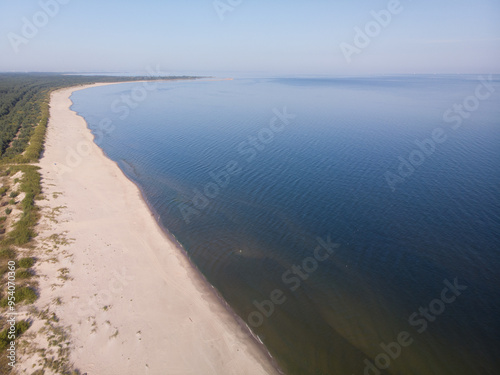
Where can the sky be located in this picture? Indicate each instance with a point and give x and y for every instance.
(251, 37)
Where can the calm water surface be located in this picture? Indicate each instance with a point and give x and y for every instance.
(330, 213)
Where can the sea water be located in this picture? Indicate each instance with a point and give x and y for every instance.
(352, 223)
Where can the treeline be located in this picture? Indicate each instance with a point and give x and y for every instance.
(24, 107)
(24, 116)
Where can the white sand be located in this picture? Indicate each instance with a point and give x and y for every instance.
(134, 302)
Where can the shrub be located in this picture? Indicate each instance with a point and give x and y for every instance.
(12, 202)
(8, 211)
(7, 253)
(23, 230)
(3, 190)
(14, 194)
(25, 293)
(21, 327)
(26, 262)
(3, 218)
(24, 274)
(35, 146)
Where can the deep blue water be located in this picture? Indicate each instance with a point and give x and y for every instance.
(248, 193)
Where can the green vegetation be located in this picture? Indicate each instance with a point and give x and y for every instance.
(24, 116)
(26, 262)
(24, 274)
(23, 230)
(23, 294)
(21, 327)
(7, 253)
(24, 110)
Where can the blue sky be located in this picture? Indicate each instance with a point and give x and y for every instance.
(259, 37)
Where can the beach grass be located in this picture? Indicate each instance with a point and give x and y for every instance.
(20, 327)
(22, 241)
(26, 262)
(24, 117)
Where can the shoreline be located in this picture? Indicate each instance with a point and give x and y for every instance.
(213, 331)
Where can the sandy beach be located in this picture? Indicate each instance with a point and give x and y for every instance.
(131, 298)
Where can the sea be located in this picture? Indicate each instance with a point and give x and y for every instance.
(353, 223)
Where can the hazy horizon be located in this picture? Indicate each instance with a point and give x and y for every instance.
(237, 37)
